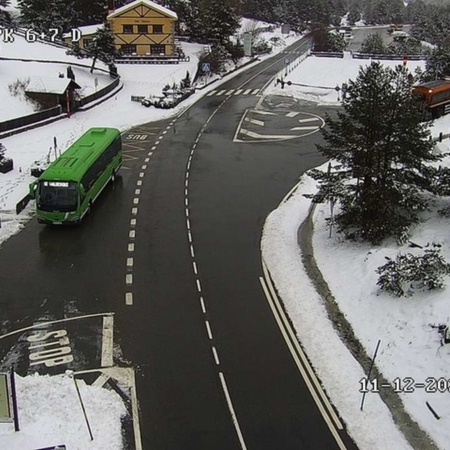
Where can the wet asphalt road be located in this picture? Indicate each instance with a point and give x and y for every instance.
(190, 327)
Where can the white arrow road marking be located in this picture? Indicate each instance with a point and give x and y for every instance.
(255, 121)
(311, 119)
(262, 136)
(264, 113)
(304, 128)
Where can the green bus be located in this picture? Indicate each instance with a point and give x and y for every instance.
(67, 189)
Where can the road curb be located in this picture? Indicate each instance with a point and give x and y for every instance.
(411, 430)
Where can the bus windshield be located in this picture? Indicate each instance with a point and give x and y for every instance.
(59, 196)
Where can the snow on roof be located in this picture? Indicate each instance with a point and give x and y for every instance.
(149, 3)
(86, 30)
(49, 85)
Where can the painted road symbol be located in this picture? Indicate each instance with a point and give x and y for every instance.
(137, 137)
(51, 348)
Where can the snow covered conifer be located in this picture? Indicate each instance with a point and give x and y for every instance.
(373, 44)
(101, 48)
(383, 146)
(219, 19)
(41, 15)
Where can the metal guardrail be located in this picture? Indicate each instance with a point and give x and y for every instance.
(357, 55)
(328, 54)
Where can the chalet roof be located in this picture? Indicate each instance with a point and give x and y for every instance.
(51, 85)
(167, 12)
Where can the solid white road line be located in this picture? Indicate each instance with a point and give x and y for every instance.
(233, 415)
(300, 367)
(44, 324)
(305, 128)
(107, 341)
(135, 412)
(101, 380)
(300, 350)
(238, 129)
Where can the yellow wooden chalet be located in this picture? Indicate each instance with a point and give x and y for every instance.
(143, 28)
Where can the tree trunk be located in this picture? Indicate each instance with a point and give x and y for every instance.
(93, 64)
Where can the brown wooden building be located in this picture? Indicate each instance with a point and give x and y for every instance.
(143, 27)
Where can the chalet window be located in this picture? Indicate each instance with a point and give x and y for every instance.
(128, 29)
(128, 49)
(157, 49)
(157, 29)
(143, 29)
(87, 42)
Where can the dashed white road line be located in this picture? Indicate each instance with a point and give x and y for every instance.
(216, 356)
(131, 247)
(132, 234)
(208, 329)
(129, 299)
(129, 278)
(199, 287)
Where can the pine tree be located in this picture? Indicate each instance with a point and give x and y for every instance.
(382, 145)
(219, 19)
(100, 48)
(41, 15)
(5, 16)
(373, 44)
(437, 65)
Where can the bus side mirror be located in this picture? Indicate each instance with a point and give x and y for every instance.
(32, 189)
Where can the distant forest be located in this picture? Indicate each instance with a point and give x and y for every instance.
(217, 19)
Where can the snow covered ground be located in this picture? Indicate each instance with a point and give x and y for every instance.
(410, 344)
(50, 414)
